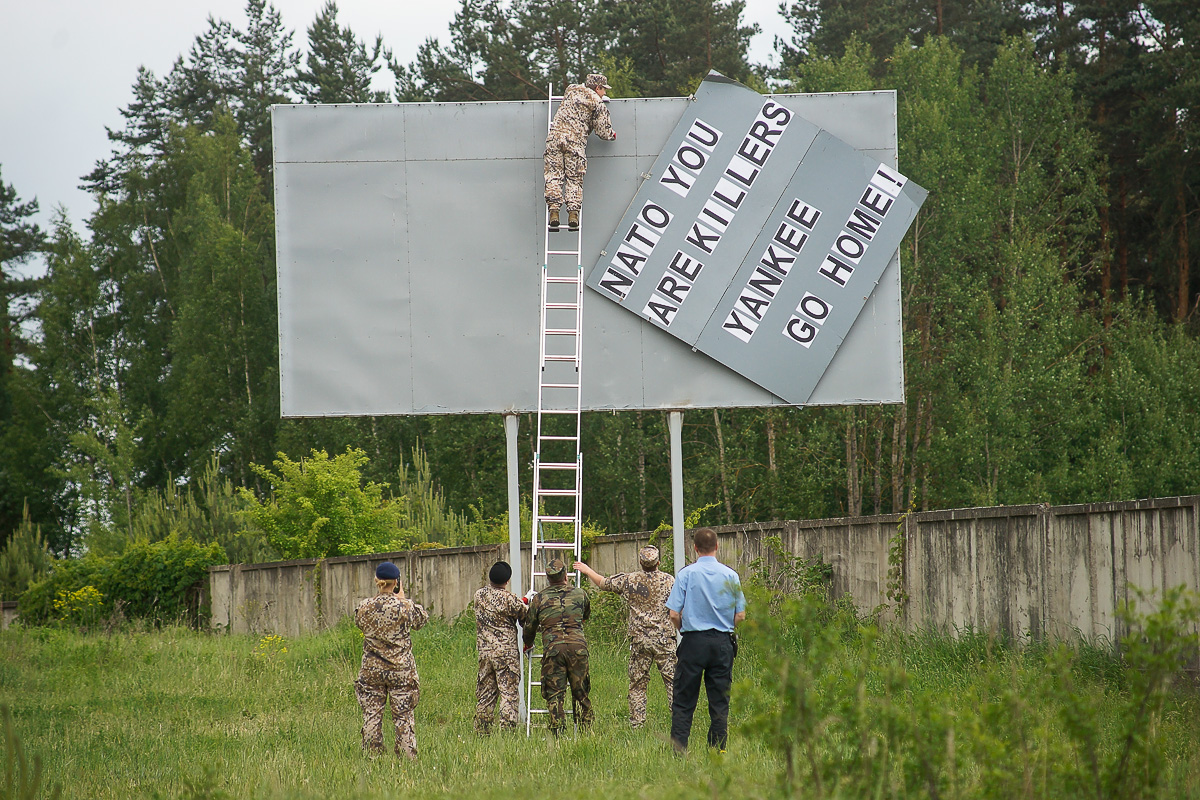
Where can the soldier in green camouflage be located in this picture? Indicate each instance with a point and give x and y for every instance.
(559, 612)
(651, 635)
(497, 614)
(388, 670)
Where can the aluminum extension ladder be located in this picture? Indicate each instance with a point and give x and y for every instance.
(558, 459)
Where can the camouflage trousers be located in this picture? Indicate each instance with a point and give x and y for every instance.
(563, 665)
(643, 655)
(564, 166)
(499, 680)
(373, 690)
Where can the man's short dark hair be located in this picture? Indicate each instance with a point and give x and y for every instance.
(704, 540)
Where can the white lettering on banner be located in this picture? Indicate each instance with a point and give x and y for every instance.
(642, 238)
(729, 194)
(677, 179)
(860, 230)
(777, 259)
(800, 331)
(765, 281)
(742, 328)
(887, 180)
(704, 134)
(691, 157)
(655, 216)
(752, 303)
(630, 259)
(814, 308)
(768, 126)
(792, 238)
(661, 309)
(703, 237)
(742, 171)
(616, 282)
(767, 278)
(863, 224)
(849, 247)
(804, 331)
(803, 214)
(673, 289)
(686, 266)
(716, 215)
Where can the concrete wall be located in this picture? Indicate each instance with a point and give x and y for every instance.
(1019, 571)
(8, 613)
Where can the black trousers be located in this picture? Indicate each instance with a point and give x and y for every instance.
(706, 655)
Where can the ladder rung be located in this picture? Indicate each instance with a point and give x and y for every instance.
(557, 465)
(560, 279)
(562, 358)
(556, 546)
(562, 305)
(557, 518)
(560, 385)
(558, 438)
(557, 411)
(562, 332)
(562, 252)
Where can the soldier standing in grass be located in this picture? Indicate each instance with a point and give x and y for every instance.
(651, 634)
(582, 112)
(497, 614)
(559, 612)
(388, 669)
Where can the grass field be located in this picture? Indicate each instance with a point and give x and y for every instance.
(835, 712)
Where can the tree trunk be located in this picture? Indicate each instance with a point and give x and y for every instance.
(642, 468)
(724, 474)
(899, 443)
(877, 480)
(853, 489)
(1183, 287)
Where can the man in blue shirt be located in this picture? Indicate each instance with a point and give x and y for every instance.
(705, 604)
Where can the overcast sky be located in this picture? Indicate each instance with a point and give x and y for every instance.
(68, 66)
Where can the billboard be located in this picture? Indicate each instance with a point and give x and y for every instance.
(410, 246)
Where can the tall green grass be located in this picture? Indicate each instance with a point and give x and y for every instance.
(176, 713)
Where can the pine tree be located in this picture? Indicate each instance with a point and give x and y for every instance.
(339, 66)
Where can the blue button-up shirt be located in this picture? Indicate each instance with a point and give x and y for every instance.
(707, 594)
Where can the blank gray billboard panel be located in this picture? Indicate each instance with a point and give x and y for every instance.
(410, 247)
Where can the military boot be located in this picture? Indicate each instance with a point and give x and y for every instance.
(573, 220)
(554, 218)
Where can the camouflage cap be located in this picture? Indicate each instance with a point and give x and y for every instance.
(648, 556)
(596, 81)
(555, 568)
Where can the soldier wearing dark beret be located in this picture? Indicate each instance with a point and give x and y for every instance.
(497, 614)
(388, 670)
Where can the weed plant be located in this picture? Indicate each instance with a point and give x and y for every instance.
(825, 705)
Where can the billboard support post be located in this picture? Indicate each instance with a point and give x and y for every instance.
(675, 431)
(511, 424)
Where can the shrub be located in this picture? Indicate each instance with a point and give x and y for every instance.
(320, 507)
(151, 580)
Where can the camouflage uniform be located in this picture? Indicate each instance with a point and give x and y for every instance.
(582, 112)
(651, 634)
(388, 670)
(559, 612)
(497, 613)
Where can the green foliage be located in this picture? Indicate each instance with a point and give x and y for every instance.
(22, 779)
(157, 581)
(854, 711)
(320, 507)
(24, 558)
